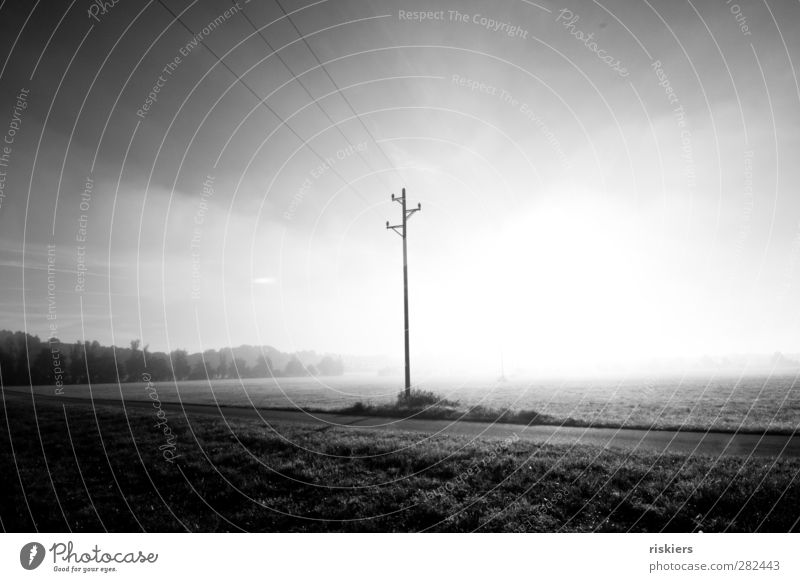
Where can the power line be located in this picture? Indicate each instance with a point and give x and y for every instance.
(338, 89)
(308, 92)
(401, 230)
(264, 103)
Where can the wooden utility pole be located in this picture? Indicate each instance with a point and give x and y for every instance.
(401, 230)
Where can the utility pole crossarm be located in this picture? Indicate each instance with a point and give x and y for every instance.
(397, 228)
(401, 229)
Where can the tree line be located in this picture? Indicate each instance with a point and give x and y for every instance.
(26, 359)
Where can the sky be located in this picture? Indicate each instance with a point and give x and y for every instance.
(600, 182)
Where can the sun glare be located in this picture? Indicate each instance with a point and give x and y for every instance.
(563, 285)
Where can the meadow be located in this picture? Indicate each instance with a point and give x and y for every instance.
(717, 402)
(69, 467)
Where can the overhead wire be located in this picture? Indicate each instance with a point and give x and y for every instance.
(392, 165)
(263, 103)
(310, 95)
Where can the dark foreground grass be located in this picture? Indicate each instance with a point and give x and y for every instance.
(85, 470)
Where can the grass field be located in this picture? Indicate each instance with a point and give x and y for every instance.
(757, 402)
(106, 471)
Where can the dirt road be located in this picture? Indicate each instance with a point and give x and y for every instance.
(698, 443)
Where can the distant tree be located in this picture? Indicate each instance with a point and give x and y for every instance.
(77, 364)
(222, 369)
(102, 363)
(198, 371)
(180, 364)
(211, 359)
(42, 367)
(25, 358)
(120, 372)
(239, 369)
(135, 364)
(90, 357)
(14, 350)
(7, 363)
(263, 367)
(158, 367)
(295, 368)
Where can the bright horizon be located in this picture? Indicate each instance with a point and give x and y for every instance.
(571, 215)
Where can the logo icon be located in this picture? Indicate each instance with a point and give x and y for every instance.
(31, 555)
